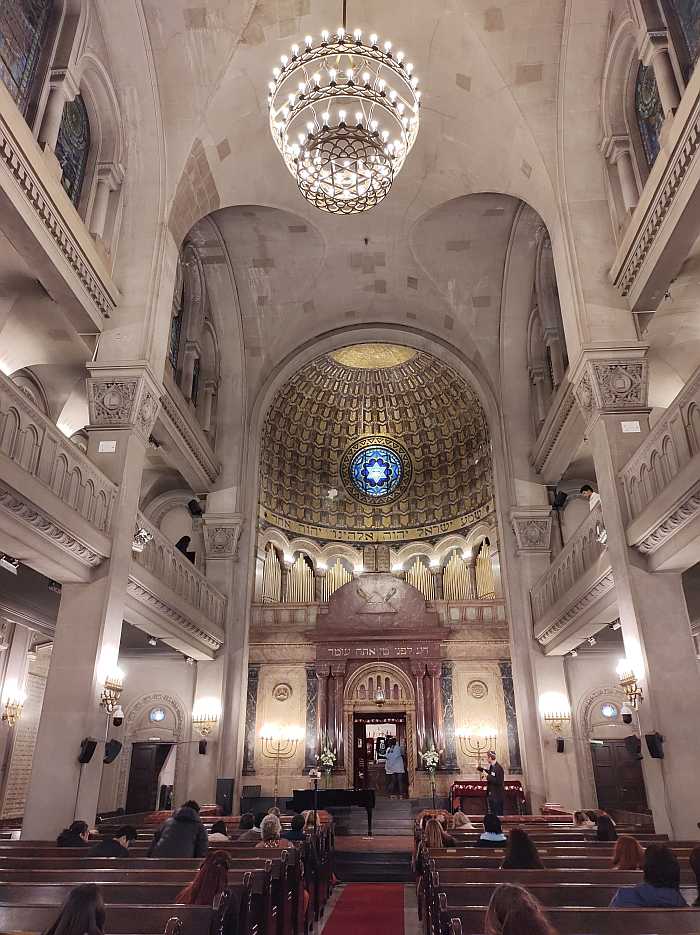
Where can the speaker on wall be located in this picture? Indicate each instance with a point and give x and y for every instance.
(87, 748)
(112, 750)
(202, 747)
(560, 744)
(655, 745)
(224, 795)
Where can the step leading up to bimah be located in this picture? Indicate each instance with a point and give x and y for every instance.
(373, 867)
(390, 817)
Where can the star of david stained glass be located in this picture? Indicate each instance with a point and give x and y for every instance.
(376, 469)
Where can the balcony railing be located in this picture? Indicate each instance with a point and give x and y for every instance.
(579, 555)
(172, 569)
(41, 452)
(662, 478)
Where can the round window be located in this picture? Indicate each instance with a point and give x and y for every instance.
(609, 710)
(376, 469)
(156, 715)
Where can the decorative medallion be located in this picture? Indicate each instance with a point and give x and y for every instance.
(477, 689)
(376, 469)
(282, 692)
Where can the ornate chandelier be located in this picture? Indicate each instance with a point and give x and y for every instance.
(344, 114)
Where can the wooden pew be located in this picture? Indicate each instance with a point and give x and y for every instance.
(121, 920)
(585, 921)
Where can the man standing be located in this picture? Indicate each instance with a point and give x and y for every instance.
(495, 780)
(393, 766)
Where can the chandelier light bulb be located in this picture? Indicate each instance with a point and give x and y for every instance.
(387, 47)
(358, 34)
(341, 32)
(400, 56)
(295, 50)
(276, 72)
(284, 59)
(308, 41)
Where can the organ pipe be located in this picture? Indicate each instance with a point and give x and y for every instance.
(300, 582)
(455, 579)
(272, 578)
(336, 576)
(420, 576)
(484, 574)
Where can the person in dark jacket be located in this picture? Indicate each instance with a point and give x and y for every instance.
(251, 832)
(495, 784)
(296, 832)
(183, 835)
(661, 886)
(521, 853)
(78, 835)
(606, 829)
(493, 833)
(116, 846)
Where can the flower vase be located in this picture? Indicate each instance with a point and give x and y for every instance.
(432, 786)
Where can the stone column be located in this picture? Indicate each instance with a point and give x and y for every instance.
(611, 387)
(62, 89)
(514, 759)
(338, 670)
(472, 590)
(251, 713)
(437, 583)
(448, 717)
(319, 581)
(418, 672)
(284, 580)
(537, 378)
(655, 52)
(311, 718)
(192, 352)
(123, 405)
(109, 179)
(434, 672)
(556, 355)
(322, 734)
(617, 151)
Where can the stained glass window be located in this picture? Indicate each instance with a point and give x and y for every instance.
(23, 26)
(195, 381)
(73, 146)
(174, 339)
(688, 15)
(650, 115)
(376, 471)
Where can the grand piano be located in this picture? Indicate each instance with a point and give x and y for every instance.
(303, 799)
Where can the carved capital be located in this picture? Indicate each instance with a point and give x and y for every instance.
(323, 670)
(222, 533)
(122, 397)
(612, 380)
(532, 527)
(652, 42)
(417, 668)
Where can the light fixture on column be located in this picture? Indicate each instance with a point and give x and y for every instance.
(475, 743)
(629, 684)
(280, 742)
(111, 691)
(344, 114)
(13, 698)
(205, 715)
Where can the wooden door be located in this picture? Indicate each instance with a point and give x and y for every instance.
(618, 777)
(147, 761)
(359, 760)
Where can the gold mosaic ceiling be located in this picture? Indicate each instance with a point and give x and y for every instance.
(409, 400)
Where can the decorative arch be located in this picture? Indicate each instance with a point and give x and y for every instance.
(584, 727)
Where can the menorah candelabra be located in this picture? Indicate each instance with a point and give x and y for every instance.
(279, 743)
(476, 744)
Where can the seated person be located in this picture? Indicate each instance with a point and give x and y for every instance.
(606, 829)
(210, 880)
(694, 861)
(521, 852)
(274, 811)
(492, 835)
(592, 815)
(181, 835)
(432, 837)
(628, 854)
(250, 827)
(514, 911)
(309, 823)
(296, 832)
(217, 833)
(583, 820)
(460, 821)
(116, 846)
(661, 886)
(83, 913)
(271, 829)
(77, 835)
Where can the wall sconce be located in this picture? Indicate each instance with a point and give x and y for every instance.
(555, 711)
(379, 697)
(205, 715)
(628, 683)
(13, 699)
(476, 743)
(111, 692)
(141, 539)
(557, 721)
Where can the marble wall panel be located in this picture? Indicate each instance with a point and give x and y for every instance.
(479, 703)
(281, 700)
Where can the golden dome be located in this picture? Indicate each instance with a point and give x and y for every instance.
(391, 452)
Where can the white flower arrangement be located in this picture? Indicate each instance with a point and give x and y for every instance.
(327, 757)
(430, 759)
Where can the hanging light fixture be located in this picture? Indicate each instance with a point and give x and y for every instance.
(344, 113)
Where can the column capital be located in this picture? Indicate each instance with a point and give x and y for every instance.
(614, 146)
(612, 379)
(532, 527)
(64, 80)
(434, 668)
(323, 670)
(338, 668)
(417, 667)
(123, 396)
(222, 533)
(652, 41)
(112, 174)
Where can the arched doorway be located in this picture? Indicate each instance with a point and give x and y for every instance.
(362, 714)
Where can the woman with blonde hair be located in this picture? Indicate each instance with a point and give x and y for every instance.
(271, 830)
(461, 821)
(628, 854)
(513, 911)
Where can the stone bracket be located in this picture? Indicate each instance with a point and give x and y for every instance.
(123, 396)
(222, 533)
(532, 527)
(612, 379)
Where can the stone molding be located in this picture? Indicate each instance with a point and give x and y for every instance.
(57, 220)
(532, 527)
(222, 533)
(179, 423)
(145, 596)
(122, 397)
(687, 511)
(48, 527)
(573, 611)
(556, 429)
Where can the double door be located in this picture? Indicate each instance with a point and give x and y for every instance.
(368, 761)
(618, 777)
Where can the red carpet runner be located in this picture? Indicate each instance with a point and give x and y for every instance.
(368, 907)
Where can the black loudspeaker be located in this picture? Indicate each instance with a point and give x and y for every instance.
(560, 744)
(224, 795)
(202, 748)
(633, 745)
(655, 745)
(112, 750)
(87, 748)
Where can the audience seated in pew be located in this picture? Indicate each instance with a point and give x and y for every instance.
(246, 826)
(209, 881)
(309, 822)
(83, 913)
(253, 834)
(694, 861)
(271, 829)
(217, 833)
(661, 886)
(296, 832)
(521, 852)
(606, 829)
(182, 835)
(492, 835)
(584, 821)
(513, 911)
(115, 846)
(628, 854)
(460, 821)
(592, 815)
(273, 810)
(78, 835)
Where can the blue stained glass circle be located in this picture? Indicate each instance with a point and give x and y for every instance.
(376, 471)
